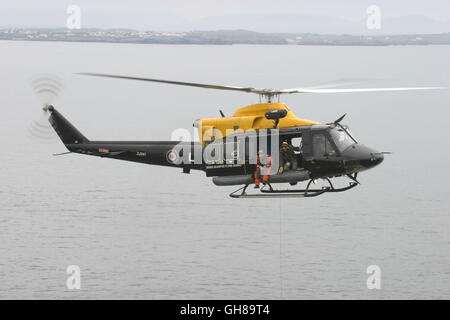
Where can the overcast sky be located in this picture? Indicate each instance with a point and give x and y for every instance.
(183, 15)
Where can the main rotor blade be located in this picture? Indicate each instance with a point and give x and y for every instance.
(305, 90)
(268, 93)
(191, 84)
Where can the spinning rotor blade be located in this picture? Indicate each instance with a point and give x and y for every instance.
(306, 90)
(267, 93)
(191, 84)
(47, 88)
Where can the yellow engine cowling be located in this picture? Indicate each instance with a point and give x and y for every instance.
(245, 118)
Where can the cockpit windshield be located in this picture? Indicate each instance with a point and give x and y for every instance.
(341, 138)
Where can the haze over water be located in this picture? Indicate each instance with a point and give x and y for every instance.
(140, 231)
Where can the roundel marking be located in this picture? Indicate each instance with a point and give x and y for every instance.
(172, 156)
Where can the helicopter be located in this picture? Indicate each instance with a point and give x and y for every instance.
(260, 143)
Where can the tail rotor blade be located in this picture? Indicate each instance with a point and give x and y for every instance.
(47, 88)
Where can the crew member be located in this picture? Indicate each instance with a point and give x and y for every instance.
(287, 157)
(265, 162)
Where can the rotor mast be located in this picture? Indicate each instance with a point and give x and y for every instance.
(269, 96)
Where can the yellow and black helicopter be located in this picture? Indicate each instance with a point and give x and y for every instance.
(263, 141)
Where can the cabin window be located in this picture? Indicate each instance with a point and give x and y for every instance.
(297, 144)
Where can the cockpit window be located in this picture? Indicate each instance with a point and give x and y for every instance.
(341, 138)
(329, 148)
(322, 146)
(319, 145)
(347, 129)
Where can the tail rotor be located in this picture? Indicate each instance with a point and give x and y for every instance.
(47, 88)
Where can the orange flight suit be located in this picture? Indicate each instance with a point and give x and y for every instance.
(268, 166)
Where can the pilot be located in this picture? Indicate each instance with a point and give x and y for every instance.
(287, 157)
(262, 160)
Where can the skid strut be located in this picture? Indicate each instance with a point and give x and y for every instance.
(268, 192)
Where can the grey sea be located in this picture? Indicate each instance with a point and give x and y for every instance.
(144, 232)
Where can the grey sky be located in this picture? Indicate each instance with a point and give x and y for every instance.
(258, 15)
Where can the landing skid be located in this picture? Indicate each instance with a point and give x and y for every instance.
(268, 192)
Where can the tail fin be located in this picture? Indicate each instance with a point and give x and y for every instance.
(65, 130)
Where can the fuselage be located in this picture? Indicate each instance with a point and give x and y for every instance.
(228, 146)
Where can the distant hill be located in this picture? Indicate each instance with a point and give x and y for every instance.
(322, 22)
(224, 37)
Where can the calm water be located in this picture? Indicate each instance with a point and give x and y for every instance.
(139, 231)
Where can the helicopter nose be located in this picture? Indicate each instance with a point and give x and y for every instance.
(377, 158)
(371, 158)
(362, 158)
